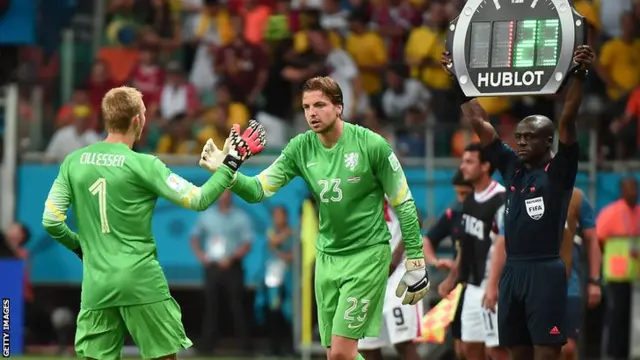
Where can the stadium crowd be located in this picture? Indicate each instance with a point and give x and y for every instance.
(206, 64)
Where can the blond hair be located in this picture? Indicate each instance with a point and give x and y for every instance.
(119, 106)
(327, 86)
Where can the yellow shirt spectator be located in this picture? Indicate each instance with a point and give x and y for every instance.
(301, 41)
(425, 45)
(622, 61)
(168, 145)
(495, 105)
(236, 113)
(368, 51)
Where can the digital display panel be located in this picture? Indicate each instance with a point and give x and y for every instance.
(547, 42)
(480, 44)
(514, 44)
(502, 43)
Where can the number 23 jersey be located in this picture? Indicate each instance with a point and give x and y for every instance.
(348, 181)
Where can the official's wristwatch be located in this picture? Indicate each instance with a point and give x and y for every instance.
(595, 281)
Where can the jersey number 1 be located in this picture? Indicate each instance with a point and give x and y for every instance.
(99, 188)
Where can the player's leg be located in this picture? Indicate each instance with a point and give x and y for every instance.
(491, 341)
(362, 291)
(473, 324)
(100, 334)
(513, 331)
(326, 283)
(456, 329)
(404, 328)
(371, 348)
(156, 328)
(574, 312)
(546, 303)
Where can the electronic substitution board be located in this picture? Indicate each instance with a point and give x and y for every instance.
(514, 47)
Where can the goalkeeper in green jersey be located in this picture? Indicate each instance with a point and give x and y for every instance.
(349, 169)
(114, 191)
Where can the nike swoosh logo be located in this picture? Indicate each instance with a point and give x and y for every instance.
(351, 326)
(312, 164)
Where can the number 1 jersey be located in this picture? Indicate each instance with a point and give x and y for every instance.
(113, 191)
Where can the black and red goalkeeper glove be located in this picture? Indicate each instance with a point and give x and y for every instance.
(242, 147)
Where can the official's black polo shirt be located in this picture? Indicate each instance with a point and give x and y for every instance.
(537, 200)
(449, 224)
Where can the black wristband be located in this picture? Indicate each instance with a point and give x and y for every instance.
(462, 98)
(232, 162)
(580, 73)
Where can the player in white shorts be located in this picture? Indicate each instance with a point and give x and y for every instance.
(401, 323)
(480, 257)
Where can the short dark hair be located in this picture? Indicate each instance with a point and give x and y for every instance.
(458, 180)
(482, 155)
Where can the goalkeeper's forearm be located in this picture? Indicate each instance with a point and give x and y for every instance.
(410, 227)
(202, 198)
(249, 188)
(61, 233)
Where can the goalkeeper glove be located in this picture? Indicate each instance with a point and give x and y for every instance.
(212, 157)
(242, 147)
(415, 282)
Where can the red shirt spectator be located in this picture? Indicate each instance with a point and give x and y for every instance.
(244, 67)
(394, 19)
(99, 83)
(148, 76)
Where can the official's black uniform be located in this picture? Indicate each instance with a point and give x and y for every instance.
(533, 287)
(449, 225)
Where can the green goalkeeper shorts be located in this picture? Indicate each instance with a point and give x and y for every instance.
(156, 329)
(350, 291)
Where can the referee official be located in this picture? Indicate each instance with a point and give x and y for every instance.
(533, 286)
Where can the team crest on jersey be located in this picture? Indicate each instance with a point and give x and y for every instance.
(351, 160)
(535, 207)
(176, 183)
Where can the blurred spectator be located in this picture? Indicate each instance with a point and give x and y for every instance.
(217, 121)
(334, 17)
(73, 136)
(220, 240)
(254, 22)
(244, 66)
(78, 105)
(620, 64)
(163, 30)
(462, 137)
(206, 32)
(178, 96)
(277, 113)
(99, 83)
(394, 19)
(178, 138)
(423, 51)
(148, 77)
(372, 122)
(411, 140)
(618, 228)
(311, 21)
(626, 130)
(282, 22)
(403, 93)
(610, 15)
(368, 50)
(278, 280)
(342, 68)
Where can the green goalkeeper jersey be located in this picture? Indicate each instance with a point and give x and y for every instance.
(113, 191)
(349, 182)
